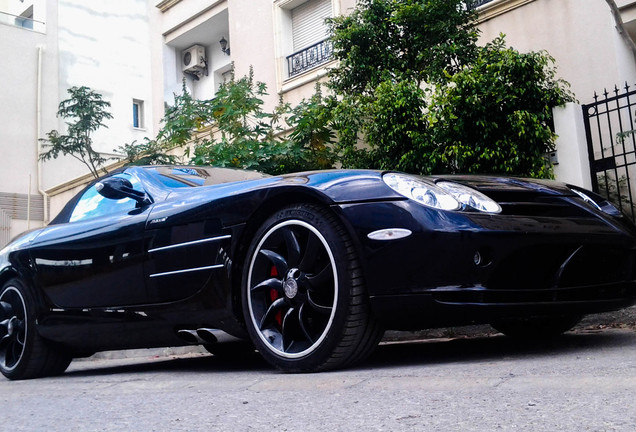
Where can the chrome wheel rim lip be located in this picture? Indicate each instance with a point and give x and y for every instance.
(15, 337)
(325, 331)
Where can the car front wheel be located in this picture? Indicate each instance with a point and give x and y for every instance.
(23, 353)
(304, 299)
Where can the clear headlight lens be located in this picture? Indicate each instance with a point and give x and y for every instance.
(443, 195)
(470, 197)
(421, 191)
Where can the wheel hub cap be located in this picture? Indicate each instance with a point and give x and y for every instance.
(290, 285)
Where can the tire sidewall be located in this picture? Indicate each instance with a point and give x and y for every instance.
(315, 217)
(29, 335)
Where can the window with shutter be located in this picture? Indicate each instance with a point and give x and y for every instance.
(308, 23)
(309, 36)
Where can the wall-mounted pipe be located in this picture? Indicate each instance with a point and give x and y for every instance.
(38, 127)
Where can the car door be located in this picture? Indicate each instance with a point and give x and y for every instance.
(187, 249)
(96, 258)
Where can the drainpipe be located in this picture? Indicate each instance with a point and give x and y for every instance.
(38, 121)
(29, 205)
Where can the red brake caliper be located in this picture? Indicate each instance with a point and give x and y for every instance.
(273, 295)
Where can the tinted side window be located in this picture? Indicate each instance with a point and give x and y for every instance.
(92, 204)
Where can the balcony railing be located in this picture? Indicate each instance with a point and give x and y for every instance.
(309, 57)
(19, 21)
(481, 3)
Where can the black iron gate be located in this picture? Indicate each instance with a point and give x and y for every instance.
(611, 144)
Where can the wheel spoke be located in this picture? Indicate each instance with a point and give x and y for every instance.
(5, 341)
(270, 315)
(5, 324)
(311, 251)
(279, 262)
(269, 284)
(317, 307)
(293, 247)
(6, 309)
(303, 327)
(322, 278)
(16, 350)
(19, 326)
(287, 327)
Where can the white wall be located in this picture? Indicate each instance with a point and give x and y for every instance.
(590, 54)
(18, 96)
(252, 32)
(573, 163)
(579, 34)
(105, 46)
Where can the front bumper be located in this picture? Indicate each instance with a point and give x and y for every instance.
(462, 268)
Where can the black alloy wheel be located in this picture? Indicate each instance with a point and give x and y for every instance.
(23, 353)
(304, 301)
(12, 328)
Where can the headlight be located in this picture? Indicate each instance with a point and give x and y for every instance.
(443, 195)
(597, 201)
(421, 191)
(470, 197)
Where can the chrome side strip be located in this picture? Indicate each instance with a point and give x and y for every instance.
(216, 266)
(178, 245)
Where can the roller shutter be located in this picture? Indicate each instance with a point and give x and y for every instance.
(308, 23)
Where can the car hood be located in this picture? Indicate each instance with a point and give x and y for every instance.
(486, 184)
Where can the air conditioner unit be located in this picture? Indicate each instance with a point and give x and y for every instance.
(193, 59)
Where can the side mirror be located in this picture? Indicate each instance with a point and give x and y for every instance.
(117, 188)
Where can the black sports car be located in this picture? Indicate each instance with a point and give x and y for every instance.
(310, 268)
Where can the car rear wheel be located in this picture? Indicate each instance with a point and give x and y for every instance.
(537, 327)
(304, 300)
(23, 353)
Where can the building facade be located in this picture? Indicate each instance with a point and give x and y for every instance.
(284, 41)
(47, 47)
(139, 53)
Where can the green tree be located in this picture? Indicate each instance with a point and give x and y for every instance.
(496, 114)
(234, 130)
(311, 141)
(242, 134)
(414, 87)
(84, 112)
(148, 152)
(399, 40)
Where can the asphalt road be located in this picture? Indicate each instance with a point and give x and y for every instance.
(580, 382)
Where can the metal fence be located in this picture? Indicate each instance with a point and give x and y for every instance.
(611, 143)
(481, 3)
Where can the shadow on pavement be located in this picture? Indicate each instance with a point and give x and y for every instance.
(387, 355)
(475, 349)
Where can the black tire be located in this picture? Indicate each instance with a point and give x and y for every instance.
(536, 327)
(23, 353)
(303, 295)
